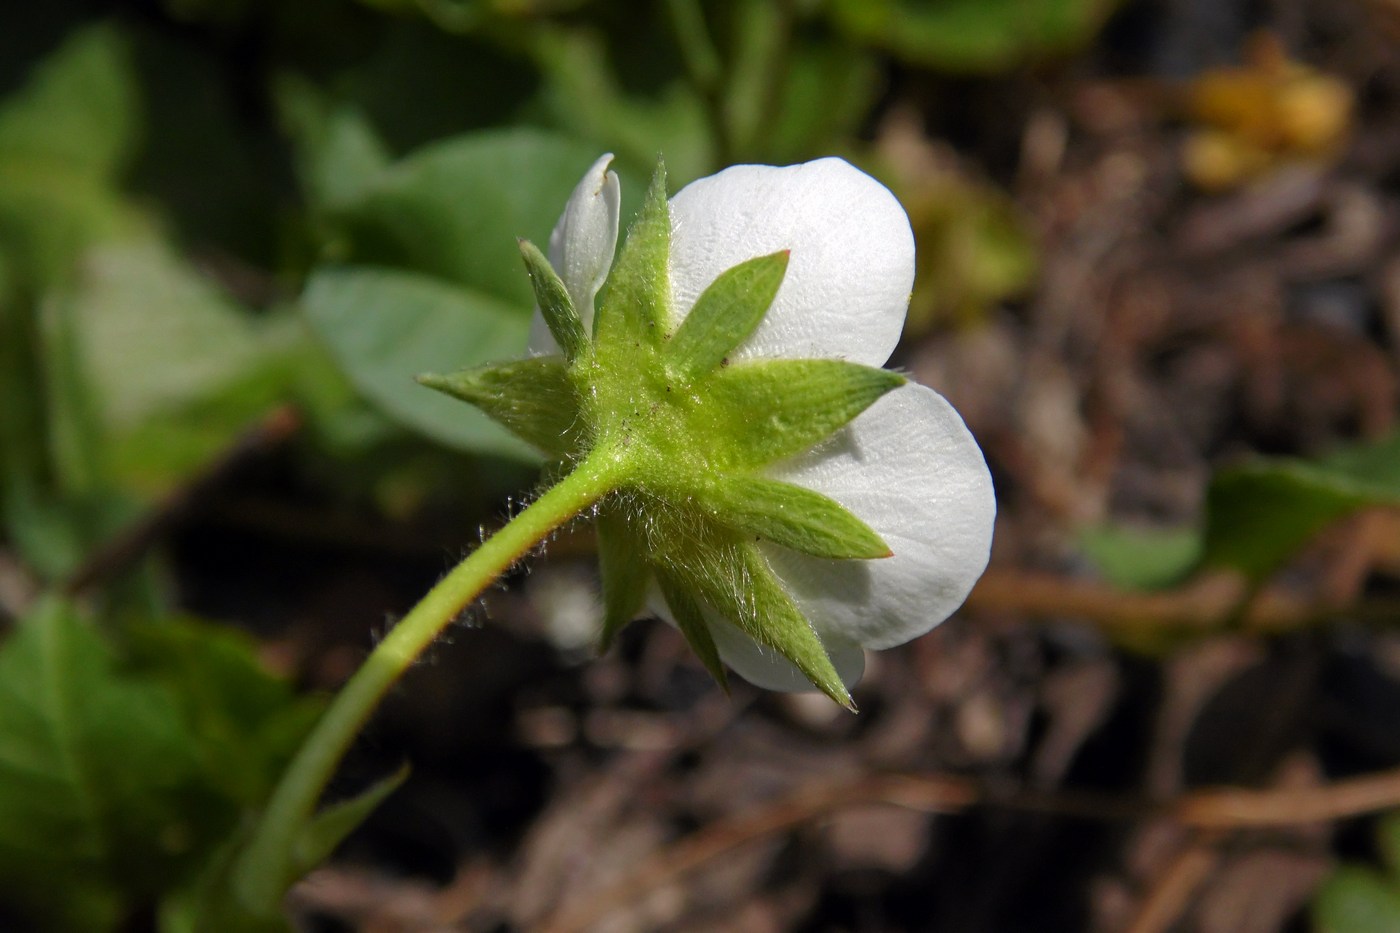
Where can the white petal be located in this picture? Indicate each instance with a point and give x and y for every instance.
(764, 667)
(910, 469)
(582, 245)
(851, 266)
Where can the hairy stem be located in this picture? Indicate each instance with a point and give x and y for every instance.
(266, 866)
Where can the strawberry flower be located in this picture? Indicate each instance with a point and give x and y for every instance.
(777, 496)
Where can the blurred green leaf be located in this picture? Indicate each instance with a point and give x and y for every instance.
(1259, 514)
(175, 368)
(245, 722)
(79, 110)
(431, 279)
(970, 35)
(64, 138)
(1145, 559)
(337, 151)
(1357, 900)
(97, 774)
(121, 777)
(582, 94)
(827, 92)
(975, 251)
(328, 828)
(1388, 840)
(791, 91)
(455, 209)
(385, 327)
(155, 333)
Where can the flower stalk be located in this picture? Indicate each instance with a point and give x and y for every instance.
(759, 480)
(268, 863)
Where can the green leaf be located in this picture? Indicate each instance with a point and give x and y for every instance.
(1372, 469)
(113, 337)
(976, 249)
(776, 408)
(971, 35)
(64, 139)
(432, 279)
(554, 302)
(726, 313)
(337, 152)
(1258, 515)
(328, 828)
(1144, 559)
(123, 780)
(533, 397)
(637, 304)
(245, 722)
(1388, 841)
(79, 112)
(75, 431)
(100, 785)
(690, 619)
(175, 367)
(794, 517)
(384, 325)
(1357, 900)
(625, 574)
(821, 95)
(580, 91)
(456, 209)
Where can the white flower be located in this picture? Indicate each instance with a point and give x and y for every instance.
(907, 466)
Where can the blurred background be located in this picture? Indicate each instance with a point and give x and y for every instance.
(1159, 276)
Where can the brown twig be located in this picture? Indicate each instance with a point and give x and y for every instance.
(1206, 604)
(1174, 890)
(1213, 810)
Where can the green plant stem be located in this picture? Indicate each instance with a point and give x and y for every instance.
(267, 864)
(705, 70)
(777, 62)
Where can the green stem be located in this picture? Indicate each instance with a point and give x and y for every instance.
(705, 70)
(777, 62)
(266, 866)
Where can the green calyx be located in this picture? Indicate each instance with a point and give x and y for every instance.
(687, 432)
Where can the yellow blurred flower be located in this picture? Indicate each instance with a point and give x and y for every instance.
(1267, 113)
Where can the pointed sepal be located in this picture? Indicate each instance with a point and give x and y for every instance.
(637, 305)
(534, 398)
(625, 575)
(690, 619)
(793, 516)
(726, 313)
(555, 304)
(327, 829)
(733, 578)
(773, 409)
